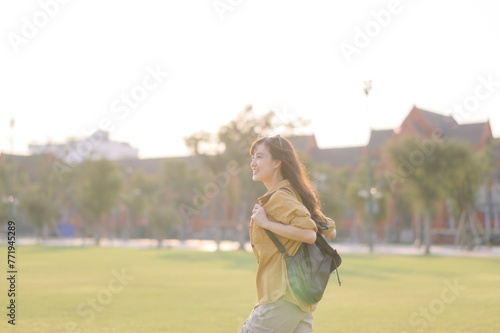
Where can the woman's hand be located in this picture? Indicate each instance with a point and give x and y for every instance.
(259, 216)
(330, 234)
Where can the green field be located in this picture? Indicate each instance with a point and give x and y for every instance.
(75, 289)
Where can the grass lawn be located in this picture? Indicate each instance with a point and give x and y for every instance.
(74, 289)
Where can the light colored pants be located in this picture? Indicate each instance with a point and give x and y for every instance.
(278, 317)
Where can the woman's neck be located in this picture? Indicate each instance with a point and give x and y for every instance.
(272, 182)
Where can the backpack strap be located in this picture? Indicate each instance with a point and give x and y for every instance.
(276, 242)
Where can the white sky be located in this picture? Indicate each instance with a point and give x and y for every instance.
(68, 78)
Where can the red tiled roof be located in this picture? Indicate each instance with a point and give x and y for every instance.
(471, 133)
(378, 138)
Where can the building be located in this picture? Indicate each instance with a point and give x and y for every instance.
(96, 146)
(418, 122)
(429, 126)
(394, 227)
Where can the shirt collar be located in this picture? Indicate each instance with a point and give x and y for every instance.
(283, 183)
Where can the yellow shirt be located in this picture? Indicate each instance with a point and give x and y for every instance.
(282, 207)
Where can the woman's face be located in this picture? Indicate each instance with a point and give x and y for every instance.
(263, 166)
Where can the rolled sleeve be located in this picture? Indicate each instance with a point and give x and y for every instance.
(285, 208)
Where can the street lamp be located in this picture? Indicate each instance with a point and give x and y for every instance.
(11, 200)
(370, 194)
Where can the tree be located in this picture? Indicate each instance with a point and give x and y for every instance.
(429, 170)
(100, 182)
(180, 181)
(137, 187)
(365, 197)
(161, 215)
(402, 205)
(474, 166)
(5, 189)
(332, 185)
(38, 209)
(40, 200)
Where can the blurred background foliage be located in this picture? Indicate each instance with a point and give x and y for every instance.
(210, 193)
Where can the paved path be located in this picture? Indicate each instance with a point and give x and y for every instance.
(209, 245)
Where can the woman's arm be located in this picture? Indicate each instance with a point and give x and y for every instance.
(289, 231)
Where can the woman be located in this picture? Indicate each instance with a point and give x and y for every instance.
(291, 217)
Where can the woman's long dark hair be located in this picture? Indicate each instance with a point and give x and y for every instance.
(293, 170)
